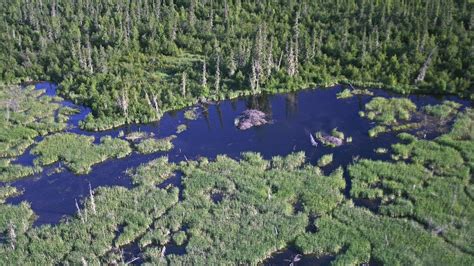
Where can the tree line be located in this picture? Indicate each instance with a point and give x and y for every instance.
(133, 60)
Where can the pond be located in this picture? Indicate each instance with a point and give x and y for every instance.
(293, 117)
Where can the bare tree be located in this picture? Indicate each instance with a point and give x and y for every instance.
(123, 102)
(290, 60)
(183, 84)
(269, 59)
(79, 213)
(217, 80)
(254, 78)
(155, 104)
(204, 74)
(226, 11)
(12, 101)
(232, 63)
(192, 16)
(296, 38)
(92, 200)
(157, 5)
(12, 234)
(424, 68)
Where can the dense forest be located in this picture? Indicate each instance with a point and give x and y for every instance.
(132, 60)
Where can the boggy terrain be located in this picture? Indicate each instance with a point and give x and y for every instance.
(414, 206)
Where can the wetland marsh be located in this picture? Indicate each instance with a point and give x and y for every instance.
(175, 198)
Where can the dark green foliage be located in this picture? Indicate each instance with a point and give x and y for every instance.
(132, 61)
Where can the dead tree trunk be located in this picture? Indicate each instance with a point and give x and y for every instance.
(424, 68)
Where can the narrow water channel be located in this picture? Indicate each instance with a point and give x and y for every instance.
(294, 116)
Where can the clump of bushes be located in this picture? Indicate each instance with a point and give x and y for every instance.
(179, 238)
(337, 134)
(78, 152)
(7, 192)
(152, 145)
(381, 150)
(389, 114)
(325, 160)
(389, 111)
(191, 114)
(328, 140)
(25, 114)
(443, 111)
(10, 172)
(181, 128)
(377, 130)
(138, 135)
(347, 93)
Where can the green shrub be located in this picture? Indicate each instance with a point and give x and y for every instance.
(181, 128)
(179, 238)
(325, 160)
(79, 152)
(191, 114)
(152, 145)
(444, 110)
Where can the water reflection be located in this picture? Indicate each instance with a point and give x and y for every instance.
(294, 115)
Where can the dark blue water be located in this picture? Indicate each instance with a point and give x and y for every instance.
(52, 196)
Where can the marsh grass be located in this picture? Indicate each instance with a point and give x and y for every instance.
(78, 152)
(191, 114)
(389, 114)
(325, 160)
(443, 111)
(347, 93)
(432, 186)
(152, 145)
(7, 192)
(181, 128)
(425, 215)
(10, 172)
(24, 115)
(257, 205)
